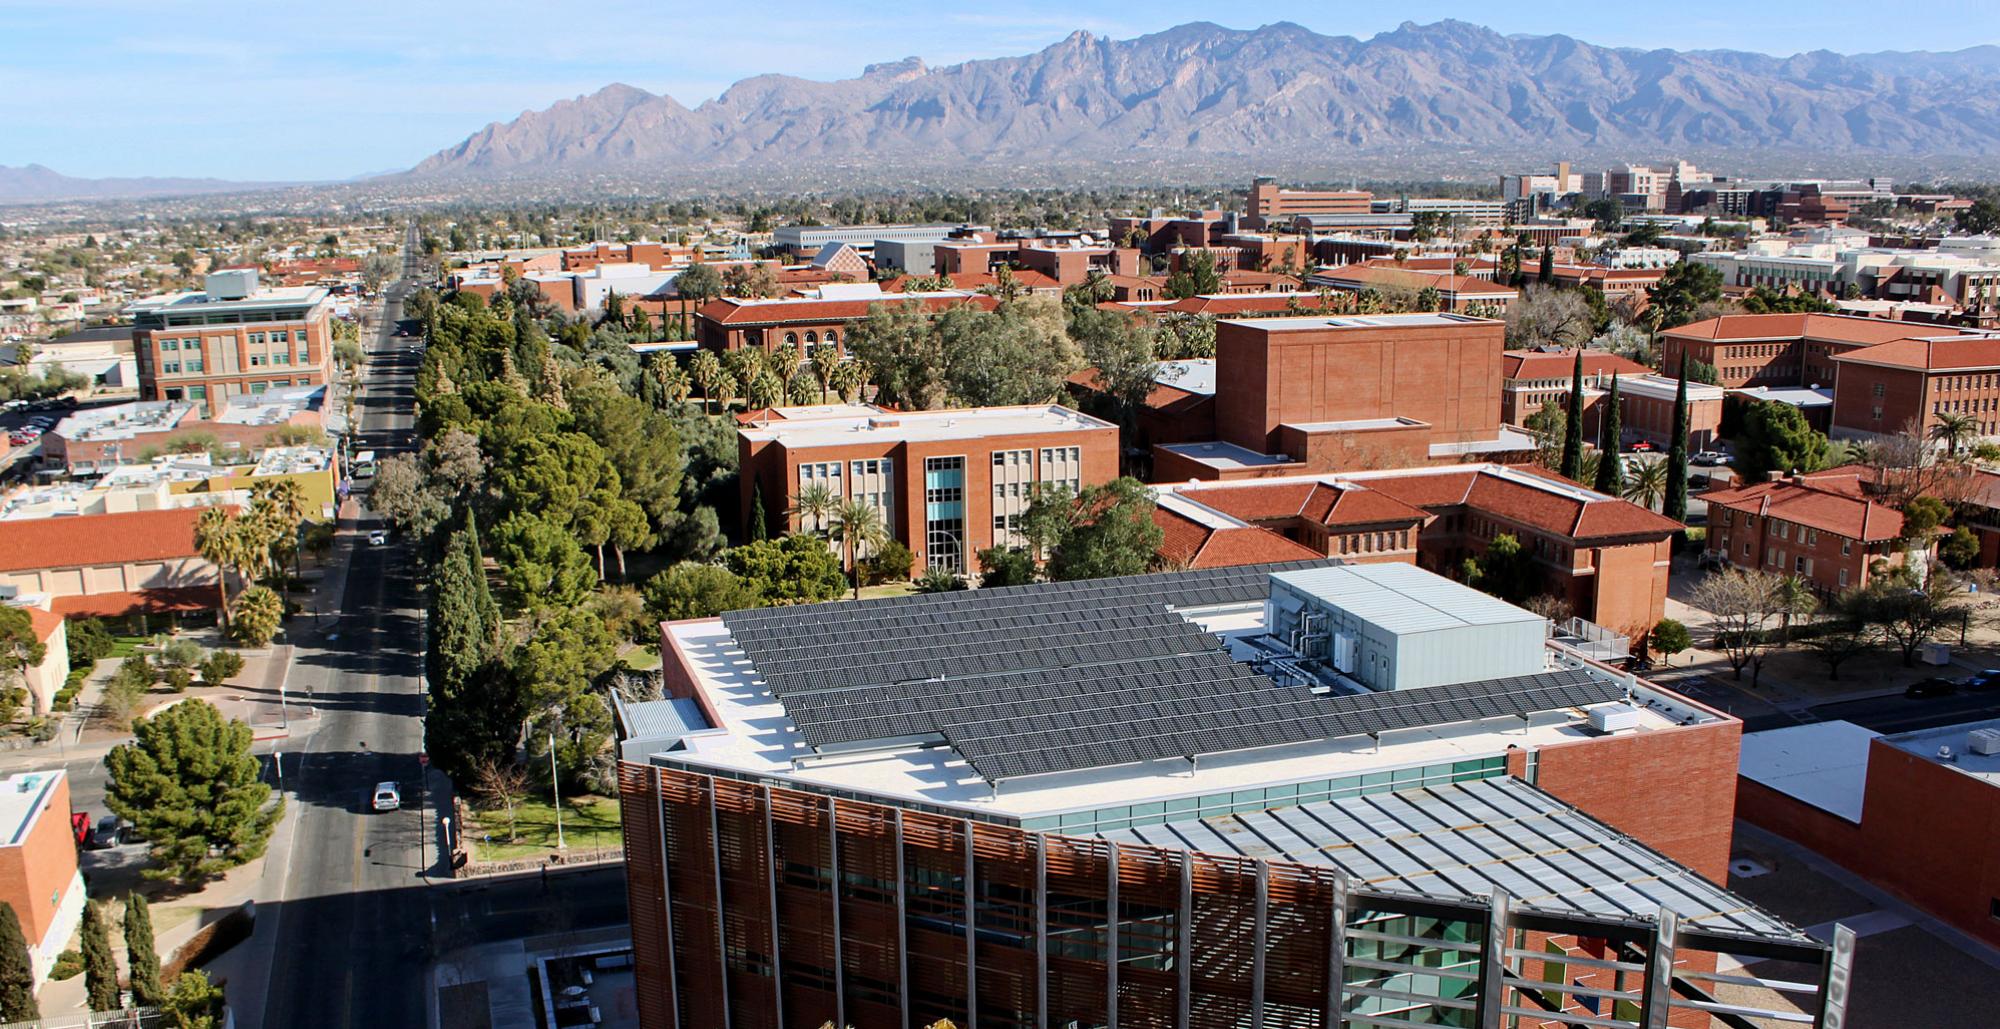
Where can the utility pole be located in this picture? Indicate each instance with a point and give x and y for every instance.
(556, 787)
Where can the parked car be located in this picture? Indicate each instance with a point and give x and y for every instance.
(1982, 681)
(388, 797)
(1642, 447)
(111, 831)
(379, 537)
(1708, 458)
(1931, 687)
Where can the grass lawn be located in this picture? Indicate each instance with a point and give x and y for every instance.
(588, 823)
(887, 589)
(126, 646)
(641, 658)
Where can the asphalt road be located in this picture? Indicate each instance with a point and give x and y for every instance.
(354, 926)
(359, 924)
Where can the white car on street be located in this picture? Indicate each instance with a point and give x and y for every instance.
(388, 796)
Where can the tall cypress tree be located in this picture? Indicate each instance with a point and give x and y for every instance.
(142, 956)
(100, 969)
(1676, 506)
(468, 703)
(483, 602)
(1547, 273)
(17, 972)
(1610, 467)
(760, 526)
(1572, 455)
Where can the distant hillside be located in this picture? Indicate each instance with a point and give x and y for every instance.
(34, 184)
(1276, 93)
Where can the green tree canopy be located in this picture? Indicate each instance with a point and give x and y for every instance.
(542, 562)
(1775, 439)
(1106, 530)
(798, 569)
(142, 955)
(1679, 296)
(693, 589)
(17, 970)
(189, 784)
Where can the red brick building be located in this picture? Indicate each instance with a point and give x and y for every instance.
(732, 323)
(1779, 349)
(233, 338)
(948, 483)
(1531, 378)
(1824, 528)
(1907, 384)
(1914, 813)
(1269, 204)
(38, 863)
(1461, 294)
(1606, 557)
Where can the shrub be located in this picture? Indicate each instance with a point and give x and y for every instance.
(89, 641)
(179, 679)
(220, 665)
(180, 654)
(939, 580)
(68, 964)
(890, 562)
(136, 672)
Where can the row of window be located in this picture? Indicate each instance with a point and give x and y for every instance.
(201, 392)
(1374, 542)
(1958, 382)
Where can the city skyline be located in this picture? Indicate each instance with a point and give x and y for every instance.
(161, 83)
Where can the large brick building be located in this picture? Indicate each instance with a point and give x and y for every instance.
(1297, 794)
(1605, 557)
(1825, 528)
(39, 878)
(1780, 349)
(1271, 205)
(1906, 385)
(948, 483)
(110, 565)
(1318, 394)
(1914, 812)
(809, 323)
(232, 338)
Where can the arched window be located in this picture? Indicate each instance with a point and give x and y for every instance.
(812, 338)
(792, 339)
(832, 336)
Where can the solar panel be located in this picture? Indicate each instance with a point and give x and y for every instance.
(1064, 676)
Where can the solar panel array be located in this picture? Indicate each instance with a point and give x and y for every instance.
(1057, 677)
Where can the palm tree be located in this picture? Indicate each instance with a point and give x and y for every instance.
(821, 365)
(284, 500)
(857, 525)
(1646, 483)
(215, 539)
(847, 378)
(1953, 430)
(706, 370)
(815, 504)
(766, 390)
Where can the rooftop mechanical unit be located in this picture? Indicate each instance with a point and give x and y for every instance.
(1398, 627)
(1983, 741)
(1610, 718)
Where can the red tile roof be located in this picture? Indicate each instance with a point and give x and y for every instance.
(1227, 305)
(1189, 544)
(734, 311)
(1957, 353)
(101, 539)
(1828, 506)
(1344, 504)
(45, 623)
(1841, 328)
(1561, 509)
(1535, 364)
(166, 600)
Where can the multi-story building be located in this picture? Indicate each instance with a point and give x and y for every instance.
(1561, 183)
(1270, 205)
(1824, 527)
(39, 878)
(732, 323)
(1531, 378)
(1281, 795)
(1317, 394)
(1907, 385)
(1780, 349)
(1910, 811)
(948, 483)
(1458, 212)
(806, 240)
(1606, 558)
(230, 339)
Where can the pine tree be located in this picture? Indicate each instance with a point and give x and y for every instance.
(142, 956)
(1572, 453)
(100, 970)
(17, 971)
(1676, 506)
(1610, 467)
(760, 525)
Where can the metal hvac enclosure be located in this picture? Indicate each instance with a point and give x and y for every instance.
(755, 907)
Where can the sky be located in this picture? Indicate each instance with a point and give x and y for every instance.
(262, 92)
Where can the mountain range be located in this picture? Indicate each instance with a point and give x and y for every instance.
(1201, 91)
(34, 183)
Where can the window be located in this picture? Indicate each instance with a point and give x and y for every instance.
(824, 473)
(259, 387)
(1812, 537)
(1846, 547)
(257, 339)
(170, 344)
(873, 482)
(257, 360)
(280, 357)
(197, 392)
(792, 338)
(944, 512)
(1013, 487)
(1843, 578)
(285, 337)
(1063, 466)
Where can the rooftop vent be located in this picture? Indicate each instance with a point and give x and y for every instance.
(1984, 742)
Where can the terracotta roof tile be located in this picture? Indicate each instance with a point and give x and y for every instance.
(101, 539)
(45, 623)
(1841, 328)
(166, 600)
(1190, 544)
(1825, 507)
(1951, 354)
(1535, 364)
